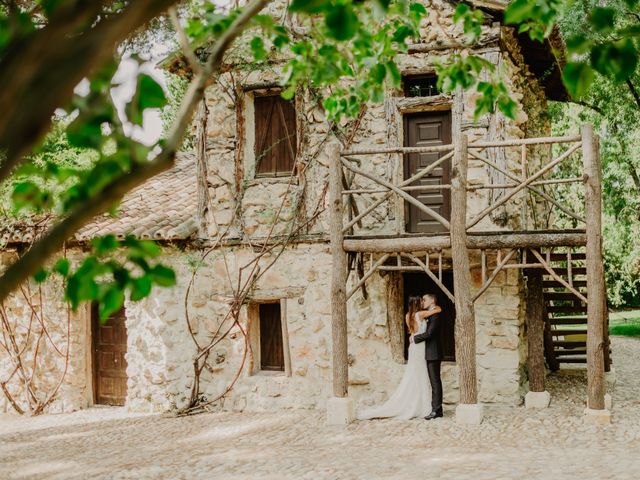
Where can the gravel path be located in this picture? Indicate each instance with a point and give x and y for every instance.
(511, 443)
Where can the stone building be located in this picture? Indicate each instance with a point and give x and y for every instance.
(245, 222)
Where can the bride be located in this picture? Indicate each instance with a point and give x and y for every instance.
(412, 397)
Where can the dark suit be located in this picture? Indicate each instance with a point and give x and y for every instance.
(433, 356)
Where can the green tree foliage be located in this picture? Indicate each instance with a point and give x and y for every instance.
(605, 95)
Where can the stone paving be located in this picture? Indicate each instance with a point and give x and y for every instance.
(511, 443)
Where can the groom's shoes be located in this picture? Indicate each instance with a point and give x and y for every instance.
(434, 414)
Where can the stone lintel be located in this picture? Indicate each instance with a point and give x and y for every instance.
(340, 411)
(537, 399)
(469, 414)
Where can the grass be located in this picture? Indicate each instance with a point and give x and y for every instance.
(625, 322)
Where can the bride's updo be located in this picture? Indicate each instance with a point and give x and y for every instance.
(415, 304)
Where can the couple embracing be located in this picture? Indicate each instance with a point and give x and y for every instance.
(415, 396)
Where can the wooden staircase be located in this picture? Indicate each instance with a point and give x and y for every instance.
(566, 314)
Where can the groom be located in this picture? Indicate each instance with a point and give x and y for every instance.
(433, 354)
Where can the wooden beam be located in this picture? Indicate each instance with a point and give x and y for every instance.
(465, 328)
(535, 190)
(501, 264)
(474, 241)
(595, 270)
(416, 203)
(556, 277)
(395, 315)
(366, 276)
(535, 331)
(406, 182)
(523, 185)
(338, 276)
(525, 141)
(375, 151)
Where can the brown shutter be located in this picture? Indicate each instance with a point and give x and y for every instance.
(271, 349)
(275, 136)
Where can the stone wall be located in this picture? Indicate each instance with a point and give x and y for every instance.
(161, 350)
(44, 330)
(243, 206)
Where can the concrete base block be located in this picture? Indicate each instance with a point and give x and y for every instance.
(340, 411)
(537, 399)
(597, 417)
(469, 414)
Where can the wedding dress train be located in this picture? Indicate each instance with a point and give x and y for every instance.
(412, 397)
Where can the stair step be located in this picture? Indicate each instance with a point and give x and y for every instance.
(556, 284)
(570, 343)
(561, 296)
(568, 331)
(570, 353)
(567, 309)
(573, 360)
(562, 257)
(565, 271)
(568, 320)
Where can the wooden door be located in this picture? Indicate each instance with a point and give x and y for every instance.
(424, 130)
(416, 284)
(271, 347)
(109, 363)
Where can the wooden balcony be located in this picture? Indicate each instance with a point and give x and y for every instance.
(535, 245)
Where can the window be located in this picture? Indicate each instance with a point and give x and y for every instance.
(275, 136)
(271, 347)
(421, 86)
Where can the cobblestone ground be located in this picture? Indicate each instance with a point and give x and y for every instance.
(512, 443)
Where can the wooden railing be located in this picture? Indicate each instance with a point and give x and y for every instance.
(457, 239)
(518, 186)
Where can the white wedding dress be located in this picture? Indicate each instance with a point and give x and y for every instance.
(412, 398)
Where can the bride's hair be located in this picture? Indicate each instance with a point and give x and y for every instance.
(415, 304)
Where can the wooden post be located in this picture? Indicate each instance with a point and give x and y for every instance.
(535, 331)
(338, 276)
(204, 200)
(465, 328)
(595, 270)
(395, 315)
(285, 337)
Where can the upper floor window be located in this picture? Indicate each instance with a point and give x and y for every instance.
(421, 85)
(275, 136)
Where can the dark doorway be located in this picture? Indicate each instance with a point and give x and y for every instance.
(417, 284)
(271, 346)
(109, 363)
(426, 130)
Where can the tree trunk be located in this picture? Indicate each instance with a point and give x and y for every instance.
(395, 315)
(338, 276)
(535, 331)
(465, 328)
(201, 161)
(595, 270)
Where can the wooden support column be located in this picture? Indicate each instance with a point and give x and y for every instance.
(535, 330)
(338, 276)
(595, 270)
(465, 328)
(395, 315)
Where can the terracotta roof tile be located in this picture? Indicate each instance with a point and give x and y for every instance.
(164, 208)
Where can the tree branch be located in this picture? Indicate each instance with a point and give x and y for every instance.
(589, 105)
(634, 92)
(38, 73)
(52, 241)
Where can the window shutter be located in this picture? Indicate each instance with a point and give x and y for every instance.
(275, 136)
(271, 346)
